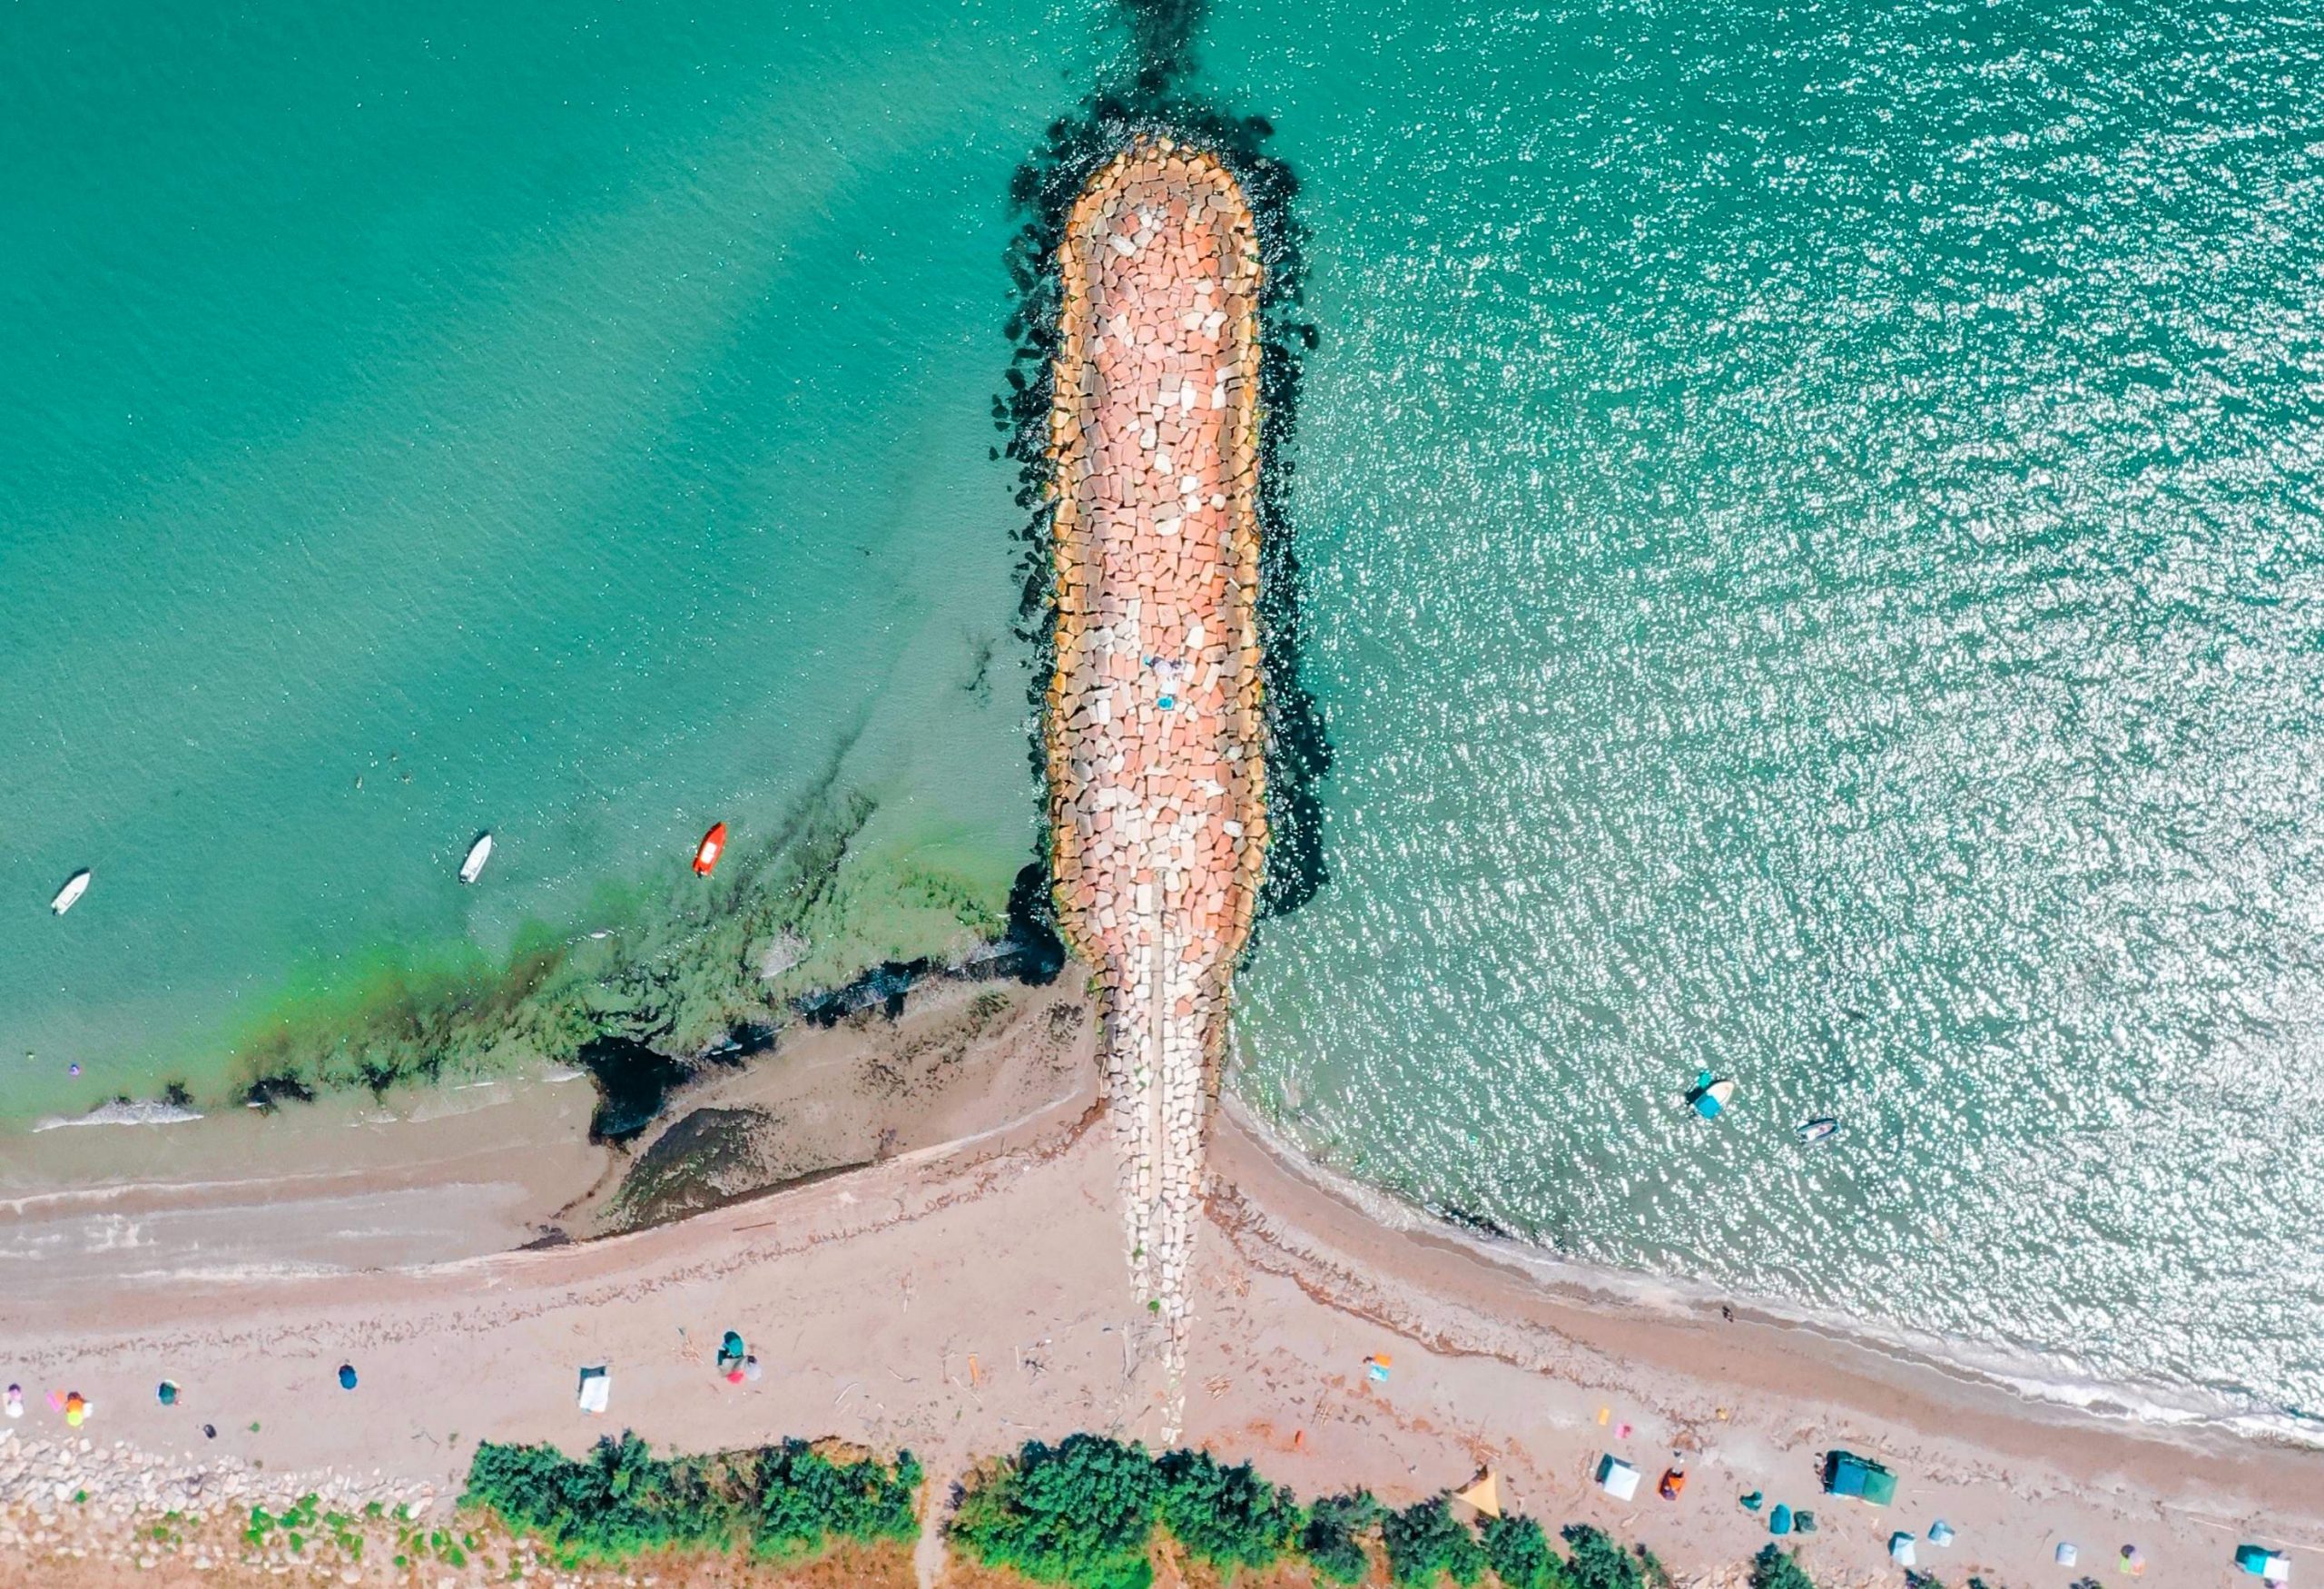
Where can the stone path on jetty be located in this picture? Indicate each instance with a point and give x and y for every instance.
(1156, 769)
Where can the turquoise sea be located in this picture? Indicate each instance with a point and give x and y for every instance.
(573, 427)
(1813, 571)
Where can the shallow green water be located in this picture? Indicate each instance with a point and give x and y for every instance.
(575, 428)
(1811, 515)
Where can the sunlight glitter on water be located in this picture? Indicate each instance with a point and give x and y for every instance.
(1816, 575)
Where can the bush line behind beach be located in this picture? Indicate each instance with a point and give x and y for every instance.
(782, 1503)
(1087, 1513)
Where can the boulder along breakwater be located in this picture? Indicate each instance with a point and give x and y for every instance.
(1154, 729)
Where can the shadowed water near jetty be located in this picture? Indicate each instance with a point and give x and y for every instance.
(1156, 776)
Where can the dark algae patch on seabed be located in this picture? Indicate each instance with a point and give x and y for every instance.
(672, 972)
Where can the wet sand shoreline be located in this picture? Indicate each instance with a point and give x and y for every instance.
(869, 1290)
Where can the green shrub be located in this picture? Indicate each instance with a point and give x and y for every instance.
(1227, 1517)
(1328, 1538)
(617, 1501)
(1079, 1513)
(1426, 1543)
(1520, 1555)
(1596, 1562)
(805, 1500)
(621, 1500)
(1772, 1568)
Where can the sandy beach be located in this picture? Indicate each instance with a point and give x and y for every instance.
(960, 1296)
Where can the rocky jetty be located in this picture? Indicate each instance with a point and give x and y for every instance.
(1154, 727)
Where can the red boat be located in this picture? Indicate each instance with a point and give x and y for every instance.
(705, 858)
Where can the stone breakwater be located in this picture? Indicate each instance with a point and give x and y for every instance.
(1154, 727)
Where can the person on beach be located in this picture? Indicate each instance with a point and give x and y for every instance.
(16, 1401)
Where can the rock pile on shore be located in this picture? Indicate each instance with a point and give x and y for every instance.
(86, 1501)
(1157, 764)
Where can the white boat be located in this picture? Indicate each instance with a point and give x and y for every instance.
(69, 896)
(478, 853)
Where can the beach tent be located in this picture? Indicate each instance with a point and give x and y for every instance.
(1900, 1549)
(1780, 1520)
(1616, 1477)
(2067, 1554)
(596, 1389)
(2262, 1563)
(1940, 1532)
(1484, 1495)
(1858, 1479)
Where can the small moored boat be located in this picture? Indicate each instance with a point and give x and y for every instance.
(1710, 1094)
(705, 854)
(1822, 1129)
(75, 887)
(478, 853)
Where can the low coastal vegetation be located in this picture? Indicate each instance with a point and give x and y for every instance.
(1087, 1513)
(1090, 1511)
(781, 1503)
(1773, 1568)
